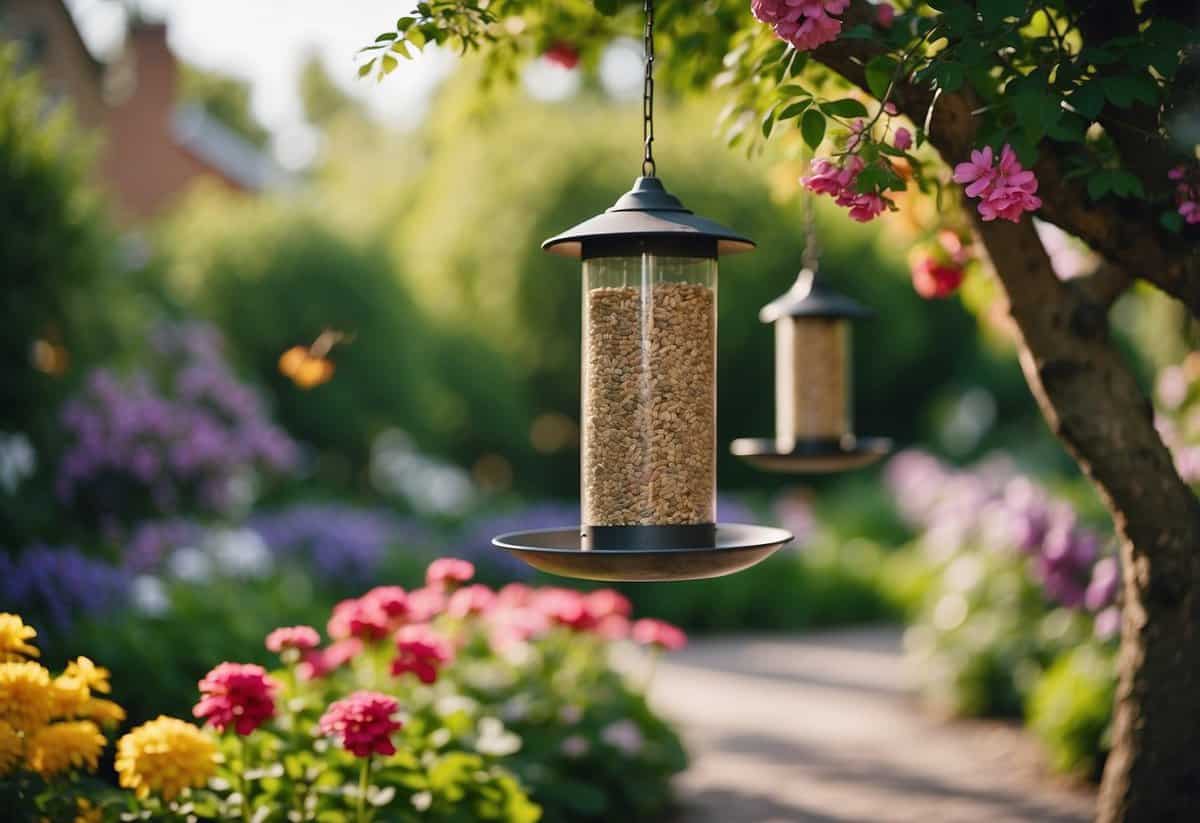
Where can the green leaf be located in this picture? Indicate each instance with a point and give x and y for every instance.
(1088, 99)
(1172, 221)
(846, 107)
(607, 7)
(995, 12)
(1125, 184)
(388, 64)
(860, 32)
(768, 122)
(1123, 89)
(949, 74)
(794, 110)
(386, 37)
(366, 67)
(403, 23)
(792, 90)
(812, 128)
(879, 72)
(1099, 184)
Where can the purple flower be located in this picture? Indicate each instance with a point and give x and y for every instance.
(1106, 580)
(59, 583)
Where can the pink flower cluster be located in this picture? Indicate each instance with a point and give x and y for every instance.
(660, 634)
(370, 617)
(447, 572)
(363, 723)
(422, 651)
(1187, 193)
(241, 695)
(805, 24)
(839, 182)
(938, 268)
(1004, 188)
(299, 638)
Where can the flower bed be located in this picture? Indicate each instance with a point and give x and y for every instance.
(448, 702)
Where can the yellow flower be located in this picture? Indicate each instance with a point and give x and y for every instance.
(13, 636)
(10, 748)
(105, 712)
(25, 695)
(68, 696)
(165, 756)
(58, 747)
(93, 676)
(87, 812)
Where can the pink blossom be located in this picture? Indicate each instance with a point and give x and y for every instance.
(363, 723)
(604, 603)
(293, 637)
(1006, 189)
(806, 24)
(565, 607)
(426, 603)
(448, 571)
(358, 617)
(885, 15)
(392, 601)
(473, 599)
(241, 695)
(650, 632)
(511, 625)
(932, 279)
(420, 650)
(902, 139)
(1177, 173)
(1190, 211)
(839, 182)
(890, 109)
(515, 594)
(1108, 623)
(316, 663)
(613, 627)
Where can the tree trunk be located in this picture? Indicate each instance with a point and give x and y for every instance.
(1094, 405)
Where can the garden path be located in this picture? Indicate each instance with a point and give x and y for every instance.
(822, 728)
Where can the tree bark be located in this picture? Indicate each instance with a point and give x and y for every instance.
(1093, 404)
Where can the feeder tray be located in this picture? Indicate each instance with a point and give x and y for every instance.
(561, 551)
(822, 456)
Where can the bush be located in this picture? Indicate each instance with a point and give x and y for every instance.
(1070, 710)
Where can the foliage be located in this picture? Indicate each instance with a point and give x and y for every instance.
(226, 99)
(1070, 709)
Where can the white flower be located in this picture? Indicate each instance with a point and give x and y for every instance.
(495, 740)
(149, 595)
(623, 735)
(575, 746)
(190, 565)
(240, 553)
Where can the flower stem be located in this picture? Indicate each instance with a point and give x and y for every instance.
(243, 781)
(363, 778)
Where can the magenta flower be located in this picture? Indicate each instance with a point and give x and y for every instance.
(902, 139)
(448, 571)
(805, 24)
(1006, 189)
(422, 651)
(426, 603)
(604, 603)
(392, 601)
(474, 599)
(241, 695)
(650, 632)
(885, 15)
(363, 723)
(565, 607)
(300, 638)
(358, 617)
(839, 182)
(1187, 193)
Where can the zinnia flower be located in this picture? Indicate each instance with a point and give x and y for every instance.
(241, 695)
(422, 651)
(562, 54)
(604, 603)
(10, 748)
(426, 603)
(566, 607)
(650, 632)
(390, 600)
(805, 24)
(58, 747)
(300, 638)
(25, 702)
(1006, 190)
(165, 756)
(318, 663)
(448, 571)
(359, 617)
(474, 599)
(363, 723)
(14, 637)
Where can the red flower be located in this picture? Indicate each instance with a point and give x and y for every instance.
(649, 632)
(422, 651)
(293, 637)
(565, 607)
(390, 600)
(448, 571)
(241, 695)
(474, 599)
(358, 617)
(932, 279)
(562, 54)
(362, 723)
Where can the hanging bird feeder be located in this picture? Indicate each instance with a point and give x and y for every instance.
(813, 387)
(648, 465)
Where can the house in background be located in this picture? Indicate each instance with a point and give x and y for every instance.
(153, 147)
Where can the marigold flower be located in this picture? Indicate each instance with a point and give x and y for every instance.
(448, 571)
(93, 676)
(68, 696)
(86, 812)
(650, 632)
(165, 756)
(14, 637)
(105, 712)
(54, 749)
(300, 638)
(473, 599)
(422, 651)
(363, 723)
(25, 695)
(241, 695)
(10, 748)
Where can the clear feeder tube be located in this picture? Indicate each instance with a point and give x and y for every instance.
(648, 471)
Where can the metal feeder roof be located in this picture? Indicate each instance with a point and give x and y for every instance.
(810, 297)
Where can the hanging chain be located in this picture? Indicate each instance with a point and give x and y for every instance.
(648, 169)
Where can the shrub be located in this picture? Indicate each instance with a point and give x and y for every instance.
(1070, 709)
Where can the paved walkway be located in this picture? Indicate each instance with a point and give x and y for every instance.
(820, 728)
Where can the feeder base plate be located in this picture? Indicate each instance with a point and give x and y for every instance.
(559, 551)
(825, 456)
